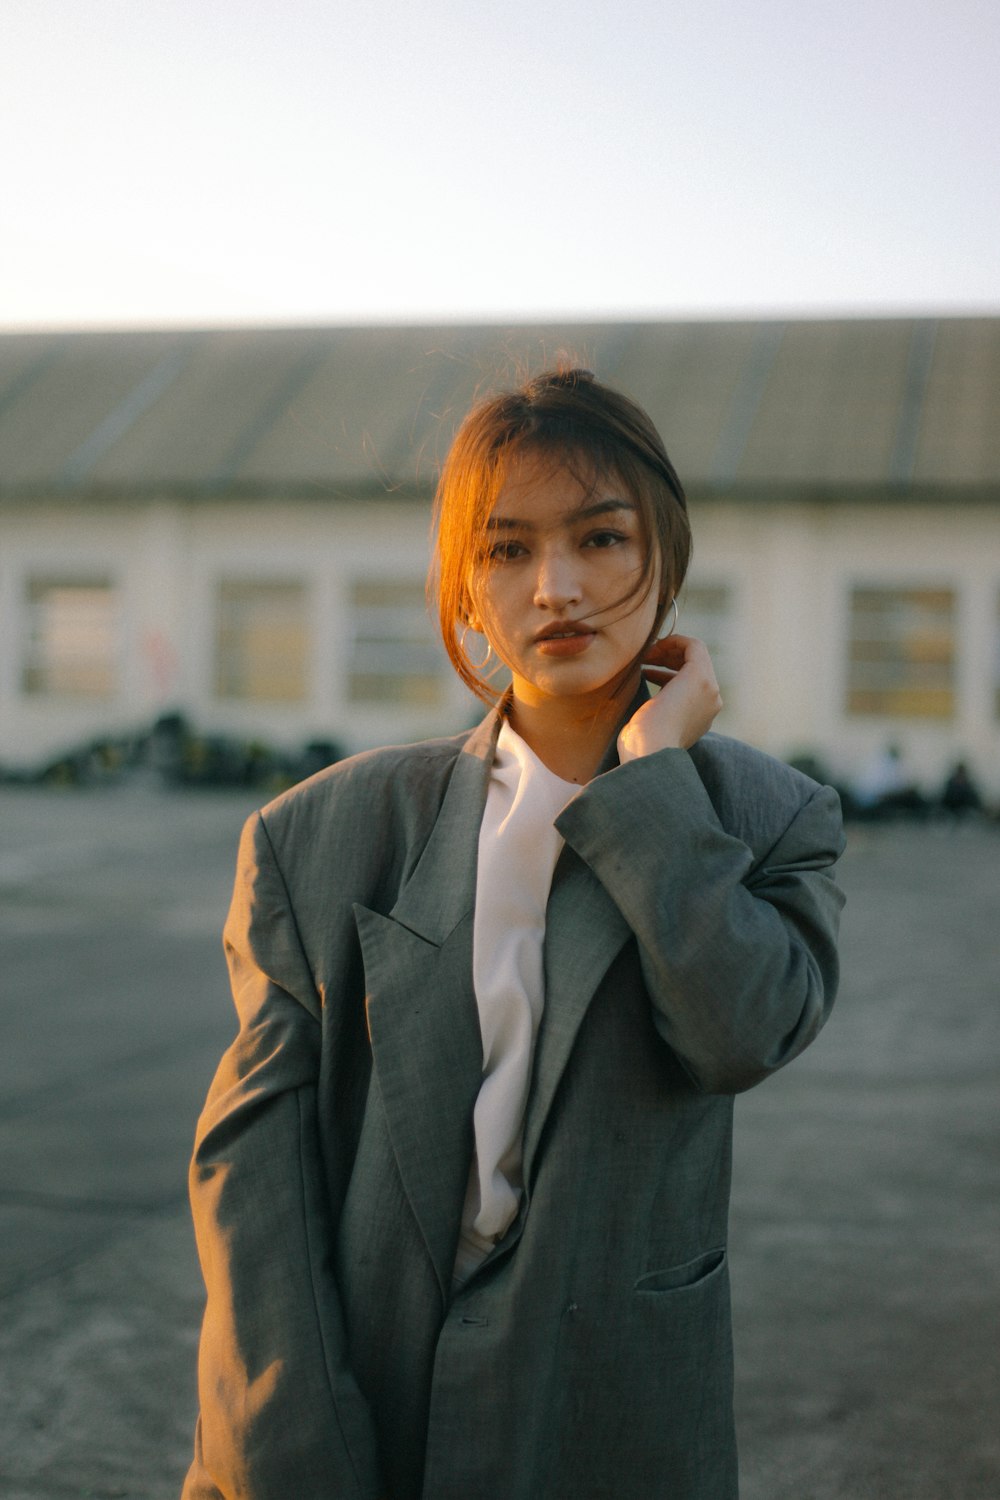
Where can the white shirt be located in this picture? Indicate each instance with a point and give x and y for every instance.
(518, 849)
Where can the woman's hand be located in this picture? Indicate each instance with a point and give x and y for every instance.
(686, 704)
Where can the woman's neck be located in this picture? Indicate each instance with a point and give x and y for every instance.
(570, 735)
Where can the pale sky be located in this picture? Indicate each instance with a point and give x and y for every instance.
(286, 161)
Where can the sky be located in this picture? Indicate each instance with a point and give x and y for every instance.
(215, 162)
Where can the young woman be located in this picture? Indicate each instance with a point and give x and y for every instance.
(461, 1182)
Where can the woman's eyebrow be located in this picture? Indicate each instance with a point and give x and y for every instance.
(601, 508)
(583, 513)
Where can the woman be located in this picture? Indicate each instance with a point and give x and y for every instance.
(461, 1182)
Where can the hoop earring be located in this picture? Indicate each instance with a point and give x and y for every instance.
(677, 614)
(477, 666)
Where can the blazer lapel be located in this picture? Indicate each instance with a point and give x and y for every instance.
(584, 932)
(422, 1013)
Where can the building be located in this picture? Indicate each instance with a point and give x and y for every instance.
(234, 524)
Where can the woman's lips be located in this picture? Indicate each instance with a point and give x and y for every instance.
(565, 645)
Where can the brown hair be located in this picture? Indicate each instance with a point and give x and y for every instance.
(571, 417)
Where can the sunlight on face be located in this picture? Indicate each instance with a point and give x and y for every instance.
(560, 592)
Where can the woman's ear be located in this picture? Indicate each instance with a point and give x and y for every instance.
(469, 620)
(468, 614)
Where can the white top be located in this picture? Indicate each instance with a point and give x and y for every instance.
(518, 849)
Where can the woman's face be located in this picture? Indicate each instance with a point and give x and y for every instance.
(561, 556)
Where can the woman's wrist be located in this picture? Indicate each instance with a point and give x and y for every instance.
(633, 744)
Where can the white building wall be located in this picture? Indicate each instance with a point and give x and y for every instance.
(789, 568)
(949, 545)
(774, 562)
(71, 541)
(793, 568)
(167, 559)
(328, 545)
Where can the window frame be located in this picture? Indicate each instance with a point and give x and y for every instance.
(232, 676)
(41, 678)
(922, 649)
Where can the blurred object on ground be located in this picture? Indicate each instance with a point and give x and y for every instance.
(174, 752)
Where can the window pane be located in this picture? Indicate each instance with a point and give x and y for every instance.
(707, 612)
(901, 655)
(395, 656)
(71, 648)
(261, 641)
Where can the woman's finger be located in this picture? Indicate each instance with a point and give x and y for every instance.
(672, 648)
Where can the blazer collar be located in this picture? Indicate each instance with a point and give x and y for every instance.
(442, 888)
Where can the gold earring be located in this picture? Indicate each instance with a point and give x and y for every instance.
(677, 614)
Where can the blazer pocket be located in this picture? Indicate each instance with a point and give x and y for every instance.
(684, 1277)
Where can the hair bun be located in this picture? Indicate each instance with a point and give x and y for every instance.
(573, 375)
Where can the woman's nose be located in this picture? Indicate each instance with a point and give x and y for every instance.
(557, 583)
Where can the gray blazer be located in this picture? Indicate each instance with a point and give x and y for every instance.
(689, 952)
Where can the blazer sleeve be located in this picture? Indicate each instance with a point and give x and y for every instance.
(737, 944)
(281, 1413)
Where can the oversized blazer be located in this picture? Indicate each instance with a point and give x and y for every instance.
(689, 952)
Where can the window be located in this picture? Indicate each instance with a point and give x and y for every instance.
(71, 645)
(395, 657)
(261, 641)
(902, 652)
(707, 612)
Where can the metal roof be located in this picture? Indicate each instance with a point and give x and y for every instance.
(905, 406)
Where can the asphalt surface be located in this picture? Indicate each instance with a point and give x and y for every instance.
(865, 1244)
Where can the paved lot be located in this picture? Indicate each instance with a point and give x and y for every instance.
(866, 1252)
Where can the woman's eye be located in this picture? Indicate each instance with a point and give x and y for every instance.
(504, 551)
(605, 538)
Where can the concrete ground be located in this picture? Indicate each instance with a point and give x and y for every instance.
(866, 1252)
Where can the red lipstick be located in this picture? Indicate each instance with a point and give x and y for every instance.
(563, 638)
